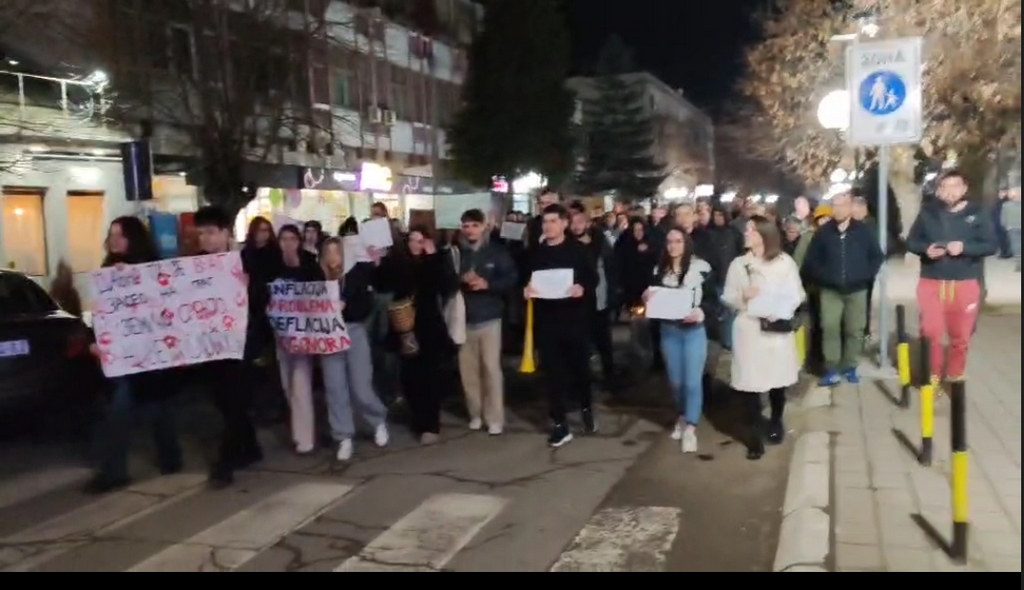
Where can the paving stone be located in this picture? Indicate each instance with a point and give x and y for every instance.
(899, 559)
(858, 557)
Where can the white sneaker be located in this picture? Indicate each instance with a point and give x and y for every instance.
(476, 424)
(345, 451)
(381, 438)
(677, 433)
(690, 441)
(495, 430)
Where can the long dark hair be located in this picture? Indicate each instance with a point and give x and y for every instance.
(770, 234)
(141, 246)
(349, 227)
(665, 266)
(254, 227)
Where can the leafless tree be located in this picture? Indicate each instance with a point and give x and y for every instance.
(228, 83)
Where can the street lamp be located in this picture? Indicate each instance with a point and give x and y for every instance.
(834, 111)
(838, 175)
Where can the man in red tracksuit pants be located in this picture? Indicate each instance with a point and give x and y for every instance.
(952, 237)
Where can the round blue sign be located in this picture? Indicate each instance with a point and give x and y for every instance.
(882, 92)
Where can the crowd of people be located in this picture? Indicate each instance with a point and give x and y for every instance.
(433, 314)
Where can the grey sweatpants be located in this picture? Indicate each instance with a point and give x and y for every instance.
(348, 385)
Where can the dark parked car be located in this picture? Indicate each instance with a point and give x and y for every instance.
(45, 365)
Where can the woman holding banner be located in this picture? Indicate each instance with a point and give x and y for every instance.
(297, 369)
(348, 375)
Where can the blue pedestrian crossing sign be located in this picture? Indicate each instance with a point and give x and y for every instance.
(882, 93)
(883, 79)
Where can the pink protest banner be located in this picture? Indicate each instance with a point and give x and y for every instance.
(306, 317)
(170, 313)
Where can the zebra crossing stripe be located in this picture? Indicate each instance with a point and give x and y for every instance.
(31, 548)
(635, 539)
(427, 538)
(235, 541)
(31, 485)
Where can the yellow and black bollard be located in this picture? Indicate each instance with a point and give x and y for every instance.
(959, 465)
(903, 356)
(927, 391)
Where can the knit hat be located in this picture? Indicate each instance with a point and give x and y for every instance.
(823, 211)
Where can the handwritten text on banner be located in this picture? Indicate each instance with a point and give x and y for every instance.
(171, 313)
(306, 317)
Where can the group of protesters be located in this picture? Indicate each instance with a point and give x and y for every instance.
(433, 314)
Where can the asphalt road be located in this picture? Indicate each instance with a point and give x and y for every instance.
(623, 500)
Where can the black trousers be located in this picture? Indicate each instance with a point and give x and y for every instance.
(232, 394)
(423, 382)
(752, 410)
(867, 321)
(601, 336)
(564, 348)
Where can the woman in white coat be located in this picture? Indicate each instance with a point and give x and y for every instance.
(764, 358)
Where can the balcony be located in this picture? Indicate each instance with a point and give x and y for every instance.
(36, 107)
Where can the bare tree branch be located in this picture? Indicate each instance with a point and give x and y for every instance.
(972, 78)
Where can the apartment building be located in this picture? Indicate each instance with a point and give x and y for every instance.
(684, 137)
(370, 85)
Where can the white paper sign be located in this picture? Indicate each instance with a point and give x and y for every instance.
(552, 284)
(354, 251)
(780, 304)
(306, 317)
(376, 233)
(171, 313)
(669, 304)
(512, 231)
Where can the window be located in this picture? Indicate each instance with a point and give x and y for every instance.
(181, 50)
(24, 236)
(19, 296)
(344, 89)
(399, 92)
(86, 234)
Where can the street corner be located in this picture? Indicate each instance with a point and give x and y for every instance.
(806, 533)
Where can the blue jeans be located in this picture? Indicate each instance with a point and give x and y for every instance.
(113, 435)
(685, 349)
(348, 382)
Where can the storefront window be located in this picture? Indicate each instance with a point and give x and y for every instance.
(172, 194)
(87, 233)
(24, 239)
(281, 207)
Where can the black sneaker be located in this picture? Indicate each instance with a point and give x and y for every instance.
(589, 424)
(560, 436)
(776, 433)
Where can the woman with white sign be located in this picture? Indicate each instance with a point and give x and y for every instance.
(297, 369)
(348, 375)
(682, 298)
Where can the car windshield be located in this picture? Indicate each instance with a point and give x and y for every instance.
(19, 295)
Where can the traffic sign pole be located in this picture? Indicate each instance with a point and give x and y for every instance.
(883, 241)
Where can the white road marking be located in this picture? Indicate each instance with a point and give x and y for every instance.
(427, 538)
(31, 548)
(622, 540)
(235, 541)
(30, 485)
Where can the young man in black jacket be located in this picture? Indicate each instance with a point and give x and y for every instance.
(843, 259)
(603, 301)
(231, 382)
(561, 325)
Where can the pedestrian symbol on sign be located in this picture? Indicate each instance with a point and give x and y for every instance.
(882, 93)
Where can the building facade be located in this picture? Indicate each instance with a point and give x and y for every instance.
(684, 136)
(375, 80)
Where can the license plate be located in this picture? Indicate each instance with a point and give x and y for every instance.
(13, 348)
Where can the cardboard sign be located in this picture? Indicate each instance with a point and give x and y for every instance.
(171, 313)
(306, 317)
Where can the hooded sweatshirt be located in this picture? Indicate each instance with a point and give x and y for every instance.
(938, 224)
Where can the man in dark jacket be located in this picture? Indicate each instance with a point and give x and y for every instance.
(843, 259)
(560, 325)
(952, 237)
(487, 274)
(535, 227)
(603, 301)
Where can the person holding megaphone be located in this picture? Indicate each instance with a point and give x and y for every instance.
(562, 284)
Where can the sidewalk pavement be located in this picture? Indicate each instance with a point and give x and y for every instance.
(1001, 280)
(857, 496)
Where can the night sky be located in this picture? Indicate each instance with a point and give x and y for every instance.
(695, 45)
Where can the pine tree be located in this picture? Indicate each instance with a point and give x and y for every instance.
(517, 112)
(618, 155)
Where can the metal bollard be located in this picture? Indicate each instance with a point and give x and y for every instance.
(927, 391)
(959, 467)
(903, 356)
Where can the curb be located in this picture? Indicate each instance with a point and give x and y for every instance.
(805, 538)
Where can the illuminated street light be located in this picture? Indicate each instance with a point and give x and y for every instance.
(728, 197)
(834, 110)
(771, 199)
(838, 175)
